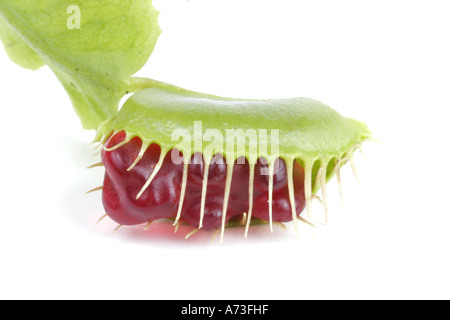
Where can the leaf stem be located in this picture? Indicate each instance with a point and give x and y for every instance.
(135, 84)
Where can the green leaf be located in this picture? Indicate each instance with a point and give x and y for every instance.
(18, 51)
(92, 46)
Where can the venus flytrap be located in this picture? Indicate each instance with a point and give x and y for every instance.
(258, 161)
(314, 142)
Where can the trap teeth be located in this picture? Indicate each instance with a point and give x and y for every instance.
(95, 190)
(313, 142)
(96, 165)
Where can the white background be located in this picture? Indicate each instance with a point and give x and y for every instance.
(384, 62)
